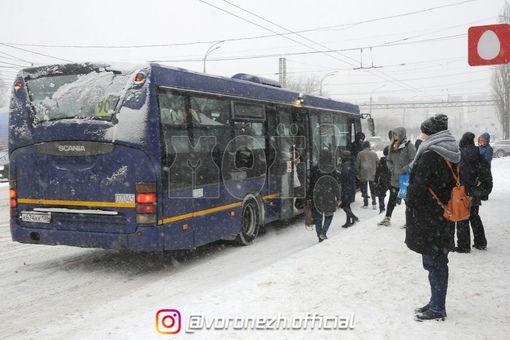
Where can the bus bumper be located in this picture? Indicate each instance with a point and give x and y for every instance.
(144, 239)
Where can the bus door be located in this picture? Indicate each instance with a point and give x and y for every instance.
(287, 163)
(301, 156)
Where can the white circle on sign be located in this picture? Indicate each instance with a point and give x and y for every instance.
(489, 45)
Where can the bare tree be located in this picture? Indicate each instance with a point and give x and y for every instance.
(500, 83)
(501, 92)
(305, 83)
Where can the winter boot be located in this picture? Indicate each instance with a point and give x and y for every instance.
(348, 223)
(479, 247)
(422, 309)
(429, 314)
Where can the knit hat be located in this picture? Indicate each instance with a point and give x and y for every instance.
(438, 122)
(468, 138)
(365, 145)
(386, 150)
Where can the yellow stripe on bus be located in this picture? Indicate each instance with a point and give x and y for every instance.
(199, 213)
(208, 211)
(76, 203)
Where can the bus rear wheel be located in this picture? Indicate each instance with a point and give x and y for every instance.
(250, 220)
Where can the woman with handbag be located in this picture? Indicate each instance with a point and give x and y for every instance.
(401, 154)
(428, 232)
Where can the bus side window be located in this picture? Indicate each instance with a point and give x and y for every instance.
(171, 109)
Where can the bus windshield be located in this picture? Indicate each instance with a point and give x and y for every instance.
(94, 95)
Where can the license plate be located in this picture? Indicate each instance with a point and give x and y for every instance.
(36, 217)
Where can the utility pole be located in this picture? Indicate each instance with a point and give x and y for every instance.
(282, 72)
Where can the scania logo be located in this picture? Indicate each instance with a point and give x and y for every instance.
(69, 148)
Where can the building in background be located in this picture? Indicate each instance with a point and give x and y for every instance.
(477, 119)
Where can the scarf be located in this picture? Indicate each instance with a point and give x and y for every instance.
(441, 142)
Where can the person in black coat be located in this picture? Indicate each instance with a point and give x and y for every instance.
(357, 144)
(324, 193)
(348, 180)
(428, 232)
(472, 166)
(382, 179)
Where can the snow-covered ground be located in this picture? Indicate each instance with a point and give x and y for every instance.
(363, 279)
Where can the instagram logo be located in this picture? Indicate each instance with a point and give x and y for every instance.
(168, 321)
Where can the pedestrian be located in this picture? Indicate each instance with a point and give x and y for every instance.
(357, 145)
(366, 165)
(324, 193)
(348, 183)
(428, 232)
(485, 147)
(472, 166)
(401, 154)
(382, 179)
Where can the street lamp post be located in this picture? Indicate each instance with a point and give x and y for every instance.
(370, 106)
(210, 49)
(325, 76)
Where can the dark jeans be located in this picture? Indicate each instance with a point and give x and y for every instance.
(437, 266)
(463, 232)
(392, 201)
(364, 192)
(322, 222)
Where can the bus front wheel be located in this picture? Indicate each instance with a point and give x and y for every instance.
(250, 223)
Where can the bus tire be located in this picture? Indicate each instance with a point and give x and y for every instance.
(250, 223)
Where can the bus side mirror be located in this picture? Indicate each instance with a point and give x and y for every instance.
(371, 126)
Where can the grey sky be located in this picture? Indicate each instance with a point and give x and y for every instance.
(418, 49)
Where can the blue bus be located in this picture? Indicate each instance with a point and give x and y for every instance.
(149, 157)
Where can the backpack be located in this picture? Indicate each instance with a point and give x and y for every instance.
(458, 207)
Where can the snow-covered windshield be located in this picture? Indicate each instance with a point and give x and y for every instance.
(88, 96)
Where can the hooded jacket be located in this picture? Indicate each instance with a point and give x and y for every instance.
(485, 148)
(401, 154)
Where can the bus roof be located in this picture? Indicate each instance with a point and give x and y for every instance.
(244, 86)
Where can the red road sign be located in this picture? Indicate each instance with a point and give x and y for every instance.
(489, 45)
